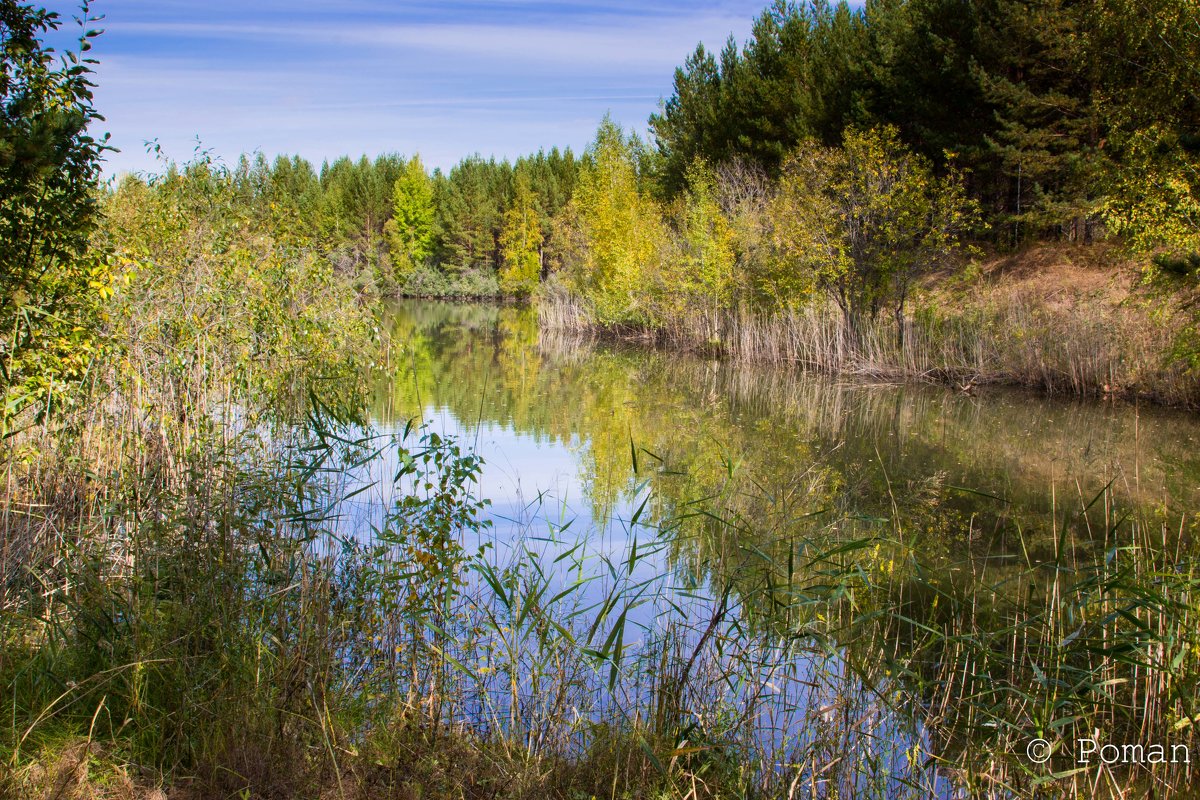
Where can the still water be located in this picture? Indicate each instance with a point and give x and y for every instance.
(560, 423)
(734, 464)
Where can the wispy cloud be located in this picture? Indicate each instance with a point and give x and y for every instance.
(450, 78)
(647, 43)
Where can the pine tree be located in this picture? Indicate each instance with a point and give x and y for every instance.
(471, 200)
(1048, 140)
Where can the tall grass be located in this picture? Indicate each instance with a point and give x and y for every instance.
(138, 520)
(239, 641)
(1072, 351)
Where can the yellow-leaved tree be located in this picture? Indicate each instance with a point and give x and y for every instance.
(704, 271)
(411, 230)
(521, 241)
(621, 229)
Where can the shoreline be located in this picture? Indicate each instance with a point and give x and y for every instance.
(1096, 335)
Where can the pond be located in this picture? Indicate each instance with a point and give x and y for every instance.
(895, 549)
(562, 420)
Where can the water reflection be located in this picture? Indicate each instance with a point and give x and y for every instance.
(561, 420)
(746, 470)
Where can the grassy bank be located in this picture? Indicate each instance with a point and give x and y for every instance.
(1058, 319)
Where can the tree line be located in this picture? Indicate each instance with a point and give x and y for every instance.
(918, 123)
(1063, 115)
(394, 224)
(837, 152)
(831, 157)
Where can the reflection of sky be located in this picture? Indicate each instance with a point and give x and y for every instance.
(532, 483)
(446, 79)
(535, 489)
(542, 518)
(537, 505)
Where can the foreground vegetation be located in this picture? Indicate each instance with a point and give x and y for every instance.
(225, 625)
(192, 603)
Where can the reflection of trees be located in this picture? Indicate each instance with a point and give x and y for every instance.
(755, 463)
(771, 446)
(756, 472)
(776, 457)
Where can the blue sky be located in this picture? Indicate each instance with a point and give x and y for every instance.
(445, 79)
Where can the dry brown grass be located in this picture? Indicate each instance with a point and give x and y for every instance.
(1059, 319)
(81, 770)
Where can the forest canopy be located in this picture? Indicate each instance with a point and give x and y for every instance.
(834, 157)
(1064, 113)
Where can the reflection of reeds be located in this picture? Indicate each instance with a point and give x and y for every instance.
(1094, 353)
(1007, 443)
(1094, 645)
